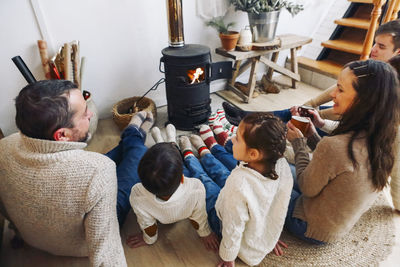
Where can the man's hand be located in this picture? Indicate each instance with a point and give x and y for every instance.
(211, 242)
(223, 263)
(278, 250)
(135, 241)
(316, 118)
(295, 111)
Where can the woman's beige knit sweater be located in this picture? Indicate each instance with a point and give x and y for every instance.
(61, 198)
(335, 193)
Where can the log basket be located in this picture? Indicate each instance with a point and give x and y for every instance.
(121, 115)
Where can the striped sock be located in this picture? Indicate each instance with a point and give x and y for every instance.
(138, 119)
(185, 146)
(198, 143)
(222, 119)
(213, 117)
(232, 130)
(147, 123)
(221, 134)
(207, 135)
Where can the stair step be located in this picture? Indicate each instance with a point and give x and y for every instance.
(354, 22)
(325, 67)
(344, 45)
(362, 1)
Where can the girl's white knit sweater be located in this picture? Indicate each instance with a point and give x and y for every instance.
(252, 209)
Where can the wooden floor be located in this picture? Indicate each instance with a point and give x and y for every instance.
(178, 244)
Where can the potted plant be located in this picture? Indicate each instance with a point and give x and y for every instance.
(228, 38)
(264, 15)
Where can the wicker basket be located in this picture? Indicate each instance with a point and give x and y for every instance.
(121, 115)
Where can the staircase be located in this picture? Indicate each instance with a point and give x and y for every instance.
(353, 37)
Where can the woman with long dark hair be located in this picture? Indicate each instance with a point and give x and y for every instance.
(349, 168)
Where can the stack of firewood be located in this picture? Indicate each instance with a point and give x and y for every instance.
(64, 65)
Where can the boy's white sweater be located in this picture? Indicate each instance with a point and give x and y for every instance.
(187, 202)
(252, 209)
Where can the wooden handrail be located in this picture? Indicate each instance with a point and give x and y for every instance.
(396, 10)
(369, 38)
(391, 11)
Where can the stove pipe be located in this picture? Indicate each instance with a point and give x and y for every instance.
(175, 23)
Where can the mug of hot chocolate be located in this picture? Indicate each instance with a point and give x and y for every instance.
(301, 123)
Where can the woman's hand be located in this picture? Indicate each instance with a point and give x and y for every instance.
(293, 132)
(310, 129)
(316, 118)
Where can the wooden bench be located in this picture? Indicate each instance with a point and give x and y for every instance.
(252, 58)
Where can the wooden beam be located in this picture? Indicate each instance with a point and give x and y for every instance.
(280, 69)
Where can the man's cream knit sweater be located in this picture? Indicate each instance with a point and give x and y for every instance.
(61, 198)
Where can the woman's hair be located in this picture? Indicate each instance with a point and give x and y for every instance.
(161, 168)
(267, 134)
(375, 113)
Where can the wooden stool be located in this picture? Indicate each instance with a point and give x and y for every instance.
(245, 60)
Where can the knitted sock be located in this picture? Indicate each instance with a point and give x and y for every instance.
(207, 135)
(213, 117)
(156, 134)
(147, 123)
(198, 143)
(232, 130)
(185, 146)
(220, 134)
(138, 119)
(221, 118)
(171, 133)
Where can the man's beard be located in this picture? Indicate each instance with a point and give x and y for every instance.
(84, 138)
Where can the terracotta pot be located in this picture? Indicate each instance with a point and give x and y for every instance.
(229, 40)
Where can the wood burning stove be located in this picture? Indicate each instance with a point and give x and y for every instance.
(188, 73)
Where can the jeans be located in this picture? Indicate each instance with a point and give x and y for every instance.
(224, 155)
(127, 155)
(294, 225)
(213, 175)
(285, 115)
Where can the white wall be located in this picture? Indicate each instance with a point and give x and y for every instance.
(121, 40)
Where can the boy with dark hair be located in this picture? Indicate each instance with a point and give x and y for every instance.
(166, 195)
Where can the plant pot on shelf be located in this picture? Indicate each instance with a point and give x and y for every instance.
(229, 40)
(263, 25)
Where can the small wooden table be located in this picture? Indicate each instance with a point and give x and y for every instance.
(288, 41)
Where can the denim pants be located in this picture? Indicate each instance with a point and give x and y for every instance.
(224, 155)
(294, 225)
(213, 175)
(127, 155)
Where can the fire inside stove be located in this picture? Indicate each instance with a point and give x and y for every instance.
(196, 76)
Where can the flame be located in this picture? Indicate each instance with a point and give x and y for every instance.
(196, 75)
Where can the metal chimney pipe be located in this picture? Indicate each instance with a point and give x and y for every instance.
(175, 23)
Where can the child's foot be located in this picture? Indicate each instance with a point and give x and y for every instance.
(221, 134)
(147, 123)
(221, 118)
(185, 146)
(156, 134)
(198, 143)
(207, 135)
(213, 117)
(171, 133)
(138, 119)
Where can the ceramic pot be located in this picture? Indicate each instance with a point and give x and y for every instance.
(229, 40)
